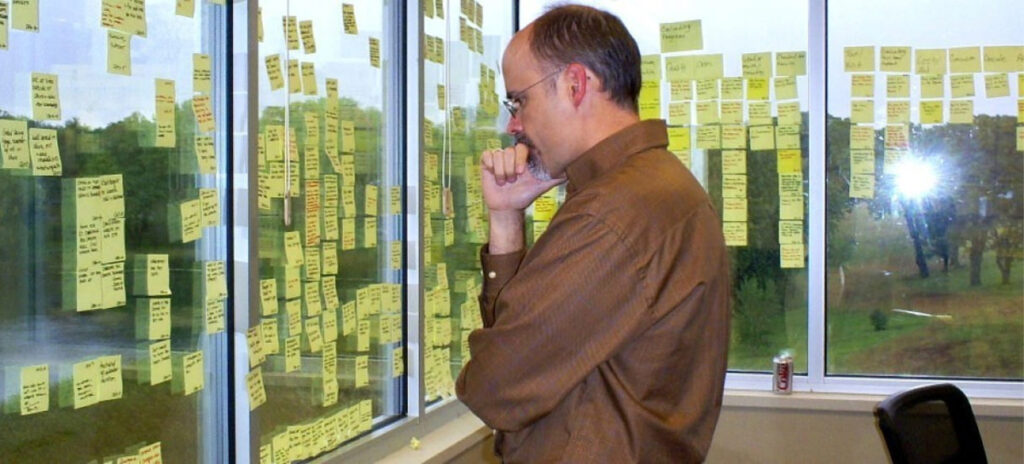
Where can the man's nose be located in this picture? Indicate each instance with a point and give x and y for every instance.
(514, 126)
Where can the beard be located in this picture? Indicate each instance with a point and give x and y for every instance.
(533, 159)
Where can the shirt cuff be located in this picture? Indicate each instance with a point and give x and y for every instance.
(498, 270)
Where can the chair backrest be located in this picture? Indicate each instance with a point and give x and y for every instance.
(930, 424)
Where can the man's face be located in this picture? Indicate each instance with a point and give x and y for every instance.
(530, 93)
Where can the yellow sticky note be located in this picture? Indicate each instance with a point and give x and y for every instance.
(649, 100)
(293, 248)
(789, 161)
(35, 389)
(308, 40)
(896, 136)
(931, 111)
(216, 320)
(735, 233)
(731, 112)
(791, 206)
(348, 141)
(45, 96)
(759, 113)
(734, 137)
(785, 88)
(1020, 138)
(1020, 105)
(862, 138)
(650, 68)
(895, 59)
(961, 112)
(965, 60)
(85, 379)
(294, 80)
(997, 85)
(897, 86)
(680, 90)
(158, 365)
(291, 31)
(681, 36)
(274, 74)
(119, 53)
(186, 8)
(859, 59)
(254, 385)
(679, 114)
(757, 89)
(734, 186)
(862, 111)
(1004, 59)
(268, 297)
(153, 318)
(707, 112)
(206, 155)
(789, 113)
(791, 232)
(930, 61)
(693, 67)
(961, 85)
(204, 113)
(707, 89)
(734, 162)
(791, 256)
(254, 340)
(791, 63)
(374, 52)
(193, 373)
(4, 15)
(757, 65)
(762, 138)
(862, 186)
(348, 234)
(897, 111)
(397, 361)
(111, 384)
(732, 88)
(348, 14)
(862, 162)
(787, 137)
(14, 145)
(708, 138)
(678, 139)
(135, 17)
(201, 73)
(933, 86)
(362, 374)
(25, 15)
(862, 85)
(734, 209)
(44, 152)
(165, 110)
(308, 78)
(292, 353)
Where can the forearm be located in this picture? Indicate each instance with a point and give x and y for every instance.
(506, 232)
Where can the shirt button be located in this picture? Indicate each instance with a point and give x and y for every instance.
(492, 274)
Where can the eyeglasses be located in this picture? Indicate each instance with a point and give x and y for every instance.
(514, 100)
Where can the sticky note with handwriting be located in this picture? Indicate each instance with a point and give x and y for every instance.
(45, 97)
(44, 152)
(25, 15)
(681, 36)
(201, 73)
(165, 109)
(859, 59)
(35, 389)
(119, 53)
(348, 14)
(308, 39)
(14, 144)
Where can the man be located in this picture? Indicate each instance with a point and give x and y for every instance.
(606, 341)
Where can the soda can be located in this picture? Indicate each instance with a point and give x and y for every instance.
(782, 374)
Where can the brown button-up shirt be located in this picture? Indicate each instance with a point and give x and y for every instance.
(607, 340)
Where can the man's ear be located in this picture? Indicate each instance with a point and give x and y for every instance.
(577, 74)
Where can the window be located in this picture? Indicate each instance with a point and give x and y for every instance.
(112, 231)
(326, 334)
(462, 88)
(924, 210)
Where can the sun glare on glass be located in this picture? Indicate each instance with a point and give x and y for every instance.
(915, 178)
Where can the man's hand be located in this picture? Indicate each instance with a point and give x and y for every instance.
(507, 183)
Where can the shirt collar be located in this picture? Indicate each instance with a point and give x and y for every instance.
(610, 152)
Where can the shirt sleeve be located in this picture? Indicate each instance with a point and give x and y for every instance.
(574, 299)
(498, 271)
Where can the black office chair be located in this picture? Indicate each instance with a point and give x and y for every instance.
(930, 424)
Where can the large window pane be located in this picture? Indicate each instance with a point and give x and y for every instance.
(112, 306)
(733, 89)
(330, 244)
(924, 208)
(462, 87)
